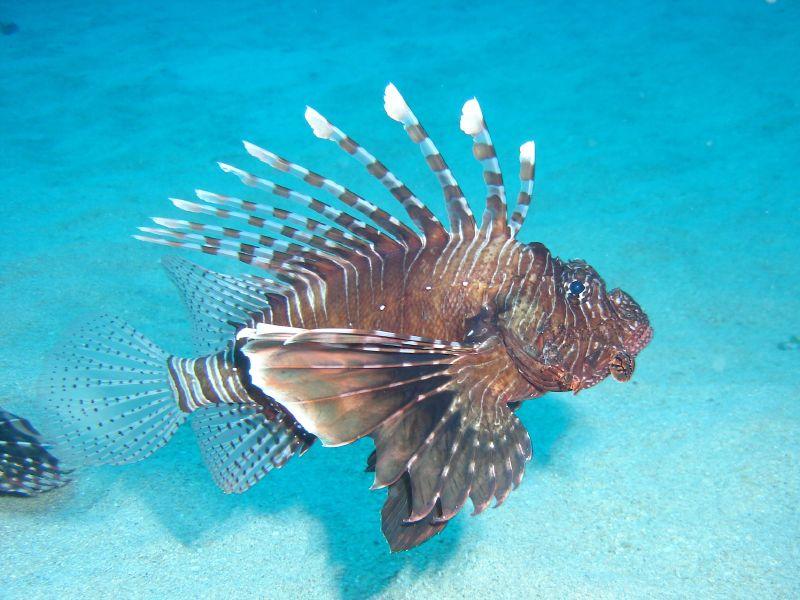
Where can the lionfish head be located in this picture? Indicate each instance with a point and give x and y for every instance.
(592, 333)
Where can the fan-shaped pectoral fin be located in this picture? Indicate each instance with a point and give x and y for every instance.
(465, 443)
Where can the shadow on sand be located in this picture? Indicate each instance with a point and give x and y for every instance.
(329, 485)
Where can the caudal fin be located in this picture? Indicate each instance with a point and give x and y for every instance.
(110, 396)
(26, 465)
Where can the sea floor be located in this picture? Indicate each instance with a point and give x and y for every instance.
(668, 146)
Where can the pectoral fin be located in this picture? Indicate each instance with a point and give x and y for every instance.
(437, 412)
(342, 384)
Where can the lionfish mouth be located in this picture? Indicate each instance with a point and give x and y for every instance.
(622, 366)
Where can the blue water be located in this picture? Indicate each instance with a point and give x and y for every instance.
(668, 147)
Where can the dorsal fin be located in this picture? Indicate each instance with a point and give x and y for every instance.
(462, 222)
(394, 227)
(416, 209)
(472, 123)
(527, 173)
(216, 300)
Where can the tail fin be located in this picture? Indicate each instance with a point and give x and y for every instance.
(26, 465)
(111, 396)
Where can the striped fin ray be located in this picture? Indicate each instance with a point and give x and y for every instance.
(359, 235)
(342, 246)
(281, 261)
(416, 209)
(289, 268)
(474, 125)
(110, 396)
(240, 444)
(313, 261)
(461, 218)
(26, 465)
(204, 231)
(390, 224)
(348, 246)
(527, 173)
(303, 229)
(301, 236)
(257, 244)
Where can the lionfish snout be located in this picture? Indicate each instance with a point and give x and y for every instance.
(636, 329)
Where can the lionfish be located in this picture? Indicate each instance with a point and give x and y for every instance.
(27, 466)
(422, 336)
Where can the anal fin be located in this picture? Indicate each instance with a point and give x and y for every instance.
(242, 443)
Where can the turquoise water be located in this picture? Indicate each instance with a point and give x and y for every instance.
(668, 146)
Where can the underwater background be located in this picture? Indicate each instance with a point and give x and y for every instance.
(668, 146)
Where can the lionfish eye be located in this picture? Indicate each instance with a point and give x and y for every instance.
(576, 287)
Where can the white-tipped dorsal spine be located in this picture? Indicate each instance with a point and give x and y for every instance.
(416, 209)
(471, 117)
(527, 174)
(462, 222)
(319, 124)
(527, 153)
(394, 104)
(396, 229)
(473, 124)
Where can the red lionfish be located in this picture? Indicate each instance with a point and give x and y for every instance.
(425, 338)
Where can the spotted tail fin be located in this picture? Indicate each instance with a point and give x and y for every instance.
(110, 396)
(116, 397)
(26, 465)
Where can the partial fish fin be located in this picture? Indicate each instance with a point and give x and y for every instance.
(340, 384)
(26, 465)
(342, 219)
(370, 468)
(220, 303)
(383, 241)
(401, 534)
(462, 221)
(356, 242)
(416, 209)
(242, 443)
(110, 396)
(495, 215)
(527, 173)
